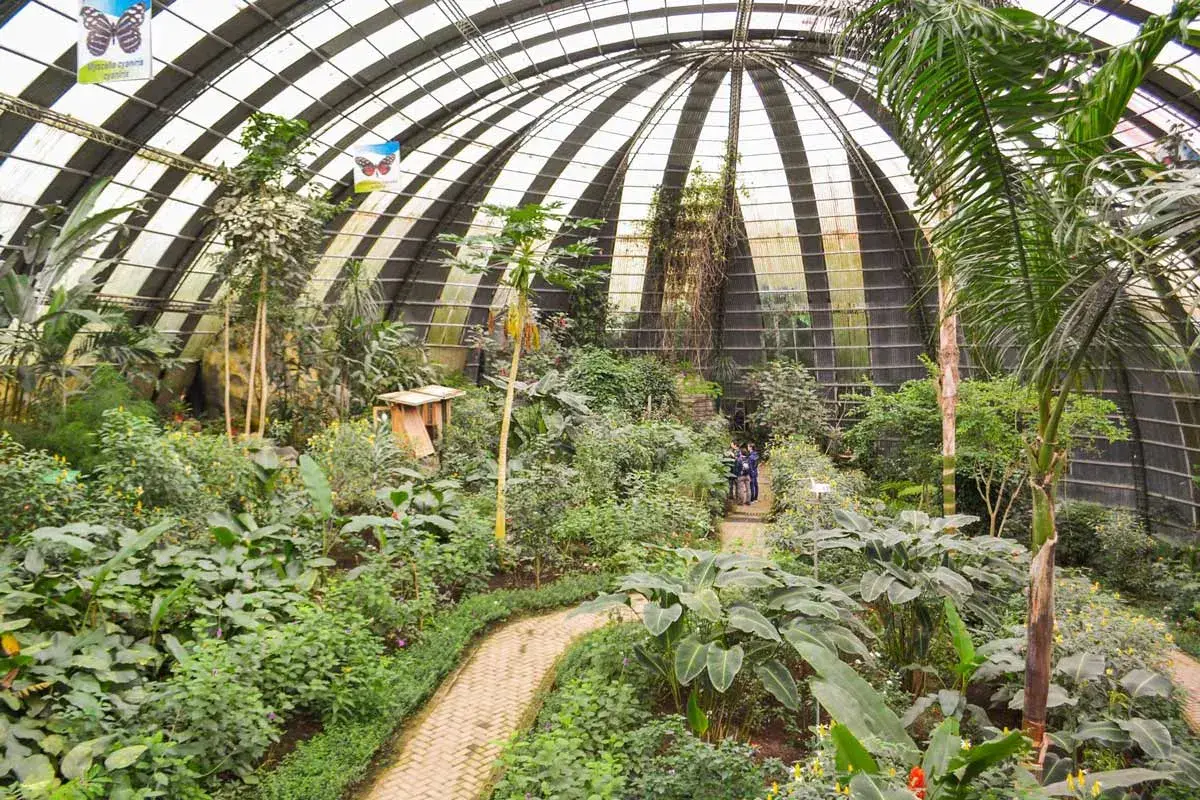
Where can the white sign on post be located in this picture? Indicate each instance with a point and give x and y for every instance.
(114, 41)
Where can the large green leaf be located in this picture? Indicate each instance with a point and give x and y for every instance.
(646, 583)
(944, 745)
(972, 763)
(657, 619)
(705, 570)
(964, 648)
(1103, 730)
(850, 753)
(746, 579)
(1146, 683)
(865, 787)
(872, 585)
(1116, 779)
(723, 665)
(120, 759)
(1150, 735)
(749, 619)
(695, 714)
(317, 485)
(599, 605)
(853, 702)
(704, 602)
(690, 655)
(1081, 667)
(778, 680)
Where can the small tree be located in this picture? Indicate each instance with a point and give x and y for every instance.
(790, 401)
(272, 238)
(522, 246)
(898, 431)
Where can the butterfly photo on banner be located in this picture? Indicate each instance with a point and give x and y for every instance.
(369, 167)
(125, 30)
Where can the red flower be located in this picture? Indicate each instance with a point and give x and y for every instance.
(916, 782)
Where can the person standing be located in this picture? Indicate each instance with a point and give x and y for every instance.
(752, 458)
(743, 491)
(732, 456)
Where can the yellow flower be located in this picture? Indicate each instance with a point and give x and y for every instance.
(966, 744)
(1096, 789)
(775, 788)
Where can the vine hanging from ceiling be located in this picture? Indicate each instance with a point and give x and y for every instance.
(692, 232)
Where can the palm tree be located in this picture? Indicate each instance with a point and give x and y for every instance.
(522, 247)
(1007, 120)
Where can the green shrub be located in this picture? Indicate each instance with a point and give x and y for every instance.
(381, 594)
(678, 766)
(358, 457)
(70, 430)
(621, 383)
(1112, 542)
(328, 663)
(208, 702)
(37, 489)
(224, 468)
(1076, 523)
(596, 737)
(795, 464)
(471, 438)
(790, 402)
(1092, 620)
(146, 476)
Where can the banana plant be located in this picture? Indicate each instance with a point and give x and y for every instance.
(720, 615)
(46, 301)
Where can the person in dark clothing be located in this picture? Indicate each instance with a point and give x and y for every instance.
(743, 481)
(752, 459)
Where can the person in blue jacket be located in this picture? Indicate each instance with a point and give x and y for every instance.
(752, 458)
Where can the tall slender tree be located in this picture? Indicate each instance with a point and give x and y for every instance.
(521, 245)
(1007, 119)
(272, 240)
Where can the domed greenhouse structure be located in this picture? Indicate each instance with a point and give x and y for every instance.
(348, 347)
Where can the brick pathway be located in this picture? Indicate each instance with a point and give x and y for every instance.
(450, 752)
(744, 528)
(1185, 672)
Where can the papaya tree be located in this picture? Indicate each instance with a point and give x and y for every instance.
(523, 244)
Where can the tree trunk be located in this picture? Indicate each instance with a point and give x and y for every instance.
(262, 365)
(948, 391)
(228, 410)
(1040, 625)
(253, 370)
(506, 418)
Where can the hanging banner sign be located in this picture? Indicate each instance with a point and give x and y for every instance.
(375, 166)
(114, 41)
